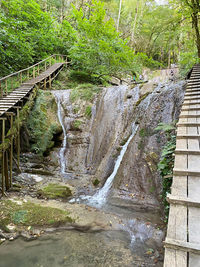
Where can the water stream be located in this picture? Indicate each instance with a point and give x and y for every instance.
(64, 143)
(100, 197)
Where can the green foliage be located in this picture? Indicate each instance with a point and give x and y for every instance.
(28, 34)
(146, 61)
(42, 123)
(76, 125)
(99, 50)
(88, 112)
(80, 76)
(166, 164)
(144, 132)
(187, 61)
(85, 92)
(165, 127)
(96, 182)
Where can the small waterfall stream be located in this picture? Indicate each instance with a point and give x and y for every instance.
(64, 144)
(100, 197)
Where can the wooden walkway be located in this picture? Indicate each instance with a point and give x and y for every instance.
(15, 90)
(182, 244)
(11, 100)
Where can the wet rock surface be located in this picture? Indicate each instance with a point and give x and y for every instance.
(93, 151)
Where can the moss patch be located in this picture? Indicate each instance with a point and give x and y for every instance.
(96, 182)
(54, 191)
(43, 123)
(30, 214)
(141, 99)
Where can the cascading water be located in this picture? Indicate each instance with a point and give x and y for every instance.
(100, 197)
(64, 144)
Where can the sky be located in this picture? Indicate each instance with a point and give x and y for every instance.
(161, 2)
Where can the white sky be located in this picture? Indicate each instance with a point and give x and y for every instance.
(161, 2)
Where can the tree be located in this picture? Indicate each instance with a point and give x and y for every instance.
(99, 50)
(190, 9)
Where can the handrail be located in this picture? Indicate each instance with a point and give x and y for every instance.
(20, 79)
(32, 66)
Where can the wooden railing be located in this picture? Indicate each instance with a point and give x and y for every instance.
(14, 80)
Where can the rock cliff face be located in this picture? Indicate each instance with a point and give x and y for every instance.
(94, 143)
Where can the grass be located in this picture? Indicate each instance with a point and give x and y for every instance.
(88, 112)
(76, 126)
(84, 91)
(54, 191)
(30, 214)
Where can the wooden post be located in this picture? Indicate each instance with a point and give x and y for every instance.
(27, 74)
(6, 87)
(18, 138)
(7, 184)
(38, 70)
(3, 155)
(21, 77)
(1, 90)
(11, 114)
(50, 81)
(45, 65)
(34, 72)
(45, 84)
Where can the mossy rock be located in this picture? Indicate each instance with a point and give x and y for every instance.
(30, 214)
(54, 191)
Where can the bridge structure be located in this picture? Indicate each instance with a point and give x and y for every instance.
(182, 243)
(17, 91)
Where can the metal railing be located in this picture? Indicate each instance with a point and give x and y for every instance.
(15, 80)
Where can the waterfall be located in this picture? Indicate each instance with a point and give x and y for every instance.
(100, 197)
(64, 143)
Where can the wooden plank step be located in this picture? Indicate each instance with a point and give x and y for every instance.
(182, 201)
(180, 172)
(193, 80)
(187, 136)
(188, 124)
(8, 101)
(190, 103)
(6, 106)
(191, 84)
(187, 152)
(195, 76)
(180, 245)
(192, 98)
(192, 94)
(189, 116)
(190, 108)
(193, 90)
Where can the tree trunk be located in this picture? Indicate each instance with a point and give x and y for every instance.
(195, 10)
(134, 23)
(196, 26)
(119, 14)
